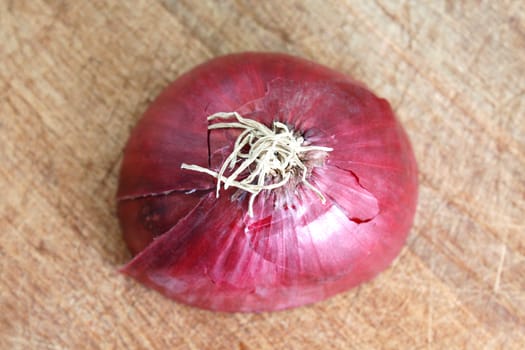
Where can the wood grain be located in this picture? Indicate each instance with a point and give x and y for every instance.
(75, 77)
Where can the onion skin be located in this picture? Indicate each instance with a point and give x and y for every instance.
(206, 251)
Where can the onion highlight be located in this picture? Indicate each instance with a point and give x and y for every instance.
(262, 181)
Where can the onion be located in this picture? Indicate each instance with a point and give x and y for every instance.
(261, 181)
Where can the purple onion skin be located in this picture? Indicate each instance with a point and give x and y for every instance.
(208, 252)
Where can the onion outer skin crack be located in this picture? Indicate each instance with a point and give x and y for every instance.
(287, 248)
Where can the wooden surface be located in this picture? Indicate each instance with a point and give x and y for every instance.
(75, 76)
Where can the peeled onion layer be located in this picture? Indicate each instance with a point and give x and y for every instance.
(154, 216)
(207, 251)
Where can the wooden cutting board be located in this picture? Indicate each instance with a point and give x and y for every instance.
(75, 76)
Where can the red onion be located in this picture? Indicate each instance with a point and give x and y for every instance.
(261, 181)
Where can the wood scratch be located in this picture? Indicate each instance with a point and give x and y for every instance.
(429, 328)
(500, 268)
(478, 53)
(430, 321)
(406, 8)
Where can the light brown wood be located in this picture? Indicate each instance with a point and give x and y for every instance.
(75, 77)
